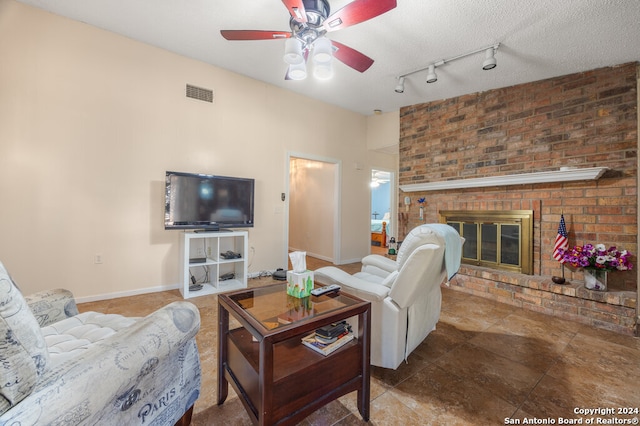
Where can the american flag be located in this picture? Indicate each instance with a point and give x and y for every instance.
(562, 241)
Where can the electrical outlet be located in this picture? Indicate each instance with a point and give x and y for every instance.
(209, 251)
(97, 259)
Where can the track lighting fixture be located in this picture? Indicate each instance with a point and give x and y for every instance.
(489, 61)
(488, 64)
(431, 75)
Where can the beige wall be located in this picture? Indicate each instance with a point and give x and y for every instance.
(90, 121)
(383, 131)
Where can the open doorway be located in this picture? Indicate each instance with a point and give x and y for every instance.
(313, 219)
(382, 209)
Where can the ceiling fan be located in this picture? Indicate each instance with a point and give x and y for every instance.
(310, 22)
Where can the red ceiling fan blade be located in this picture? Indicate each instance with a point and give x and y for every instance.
(356, 12)
(254, 34)
(351, 57)
(296, 9)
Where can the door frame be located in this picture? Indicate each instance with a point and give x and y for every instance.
(337, 201)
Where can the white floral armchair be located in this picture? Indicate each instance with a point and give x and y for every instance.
(59, 367)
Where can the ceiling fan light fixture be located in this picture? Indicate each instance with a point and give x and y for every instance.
(293, 51)
(489, 61)
(297, 71)
(432, 77)
(322, 50)
(400, 85)
(309, 21)
(323, 70)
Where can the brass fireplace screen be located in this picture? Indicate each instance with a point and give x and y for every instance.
(496, 239)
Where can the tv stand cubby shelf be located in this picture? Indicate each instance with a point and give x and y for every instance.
(202, 262)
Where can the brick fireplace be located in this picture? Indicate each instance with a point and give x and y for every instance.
(582, 120)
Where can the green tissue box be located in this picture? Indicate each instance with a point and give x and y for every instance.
(299, 284)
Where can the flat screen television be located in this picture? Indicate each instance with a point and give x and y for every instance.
(207, 202)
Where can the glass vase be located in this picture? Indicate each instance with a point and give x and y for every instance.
(595, 279)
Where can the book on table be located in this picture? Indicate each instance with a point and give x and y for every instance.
(319, 345)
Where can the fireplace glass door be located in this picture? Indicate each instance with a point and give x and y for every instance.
(500, 240)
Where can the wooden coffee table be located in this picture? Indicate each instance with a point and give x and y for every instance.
(279, 380)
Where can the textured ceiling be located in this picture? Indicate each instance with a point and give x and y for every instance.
(539, 39)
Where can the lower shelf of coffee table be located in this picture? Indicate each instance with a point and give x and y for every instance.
(301, 376)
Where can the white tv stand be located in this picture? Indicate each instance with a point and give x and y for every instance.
(201, 258)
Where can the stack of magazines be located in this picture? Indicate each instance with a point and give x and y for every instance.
(329, 338)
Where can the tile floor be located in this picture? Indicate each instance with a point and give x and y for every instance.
(486, 364)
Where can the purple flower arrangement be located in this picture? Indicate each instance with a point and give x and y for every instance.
(598, 257)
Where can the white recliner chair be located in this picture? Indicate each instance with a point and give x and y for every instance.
(405, 294)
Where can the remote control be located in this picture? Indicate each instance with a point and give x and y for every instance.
(326, 289)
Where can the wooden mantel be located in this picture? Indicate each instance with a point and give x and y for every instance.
(565, 174)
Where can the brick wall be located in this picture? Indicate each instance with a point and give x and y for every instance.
(587, 119)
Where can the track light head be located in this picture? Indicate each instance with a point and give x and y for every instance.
(489, 61)
(400, 85)
(431, 75)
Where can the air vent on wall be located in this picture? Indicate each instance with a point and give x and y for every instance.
(199, 93)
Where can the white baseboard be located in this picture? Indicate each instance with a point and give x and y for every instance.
(128, 293)
(157, 289)
(317, 256)
(347, 261)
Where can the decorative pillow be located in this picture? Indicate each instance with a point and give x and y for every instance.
(23, 352)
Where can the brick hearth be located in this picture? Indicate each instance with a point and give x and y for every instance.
(613, 310)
